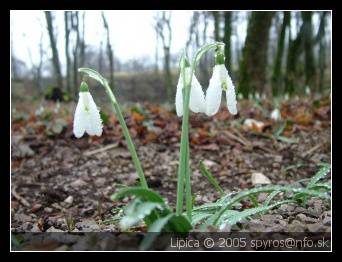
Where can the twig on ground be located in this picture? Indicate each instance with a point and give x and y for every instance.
(100, 150)
(20, 198)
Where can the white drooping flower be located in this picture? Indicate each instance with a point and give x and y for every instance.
(197, 100)
(275, 115)
(219, 81)
(87, 116)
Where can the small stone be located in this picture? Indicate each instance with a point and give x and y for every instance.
(36, 207)
(278, 158)
(99, 182)
(296, 226)
(209, 163)
(25, 150)
(132, 179)
(260, 179)
(306, 219)
(52, 229)
(78, 183)
(22, 218)
(27, 226)
(88, 226)
(262, 197)
(35, 228)
(48, 209)
(317, 227)
(69, 200)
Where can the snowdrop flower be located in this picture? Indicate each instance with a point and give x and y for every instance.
(307, 90)
(275, 115)
(87, 116)
(197, 100)
(219, 81)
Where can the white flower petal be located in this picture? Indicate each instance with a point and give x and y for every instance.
(87, 116)
(231, 96)
(275, 115)
(79, 127)
(94, 122)
(214, 92)
(197, 100)
(179, 97)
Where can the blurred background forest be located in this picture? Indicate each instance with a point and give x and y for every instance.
(267, 53)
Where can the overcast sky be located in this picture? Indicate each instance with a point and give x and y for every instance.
(132, 32)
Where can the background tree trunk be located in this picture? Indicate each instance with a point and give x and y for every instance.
(100, 66)
(294, 49)
(227, 41)
(254, 60)
(55, 57)
(75, 27)
(67, 26)
(216, 15)
(163, 27)
(310, 68)
(109, 51)
(277, 76)
(320, 39)
(82, 42)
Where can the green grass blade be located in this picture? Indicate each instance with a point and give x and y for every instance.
(210, 178)
(140, 192)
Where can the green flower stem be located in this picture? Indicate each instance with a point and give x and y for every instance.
(116, 107)
(128, 138)
(188, 195)
(184, 168)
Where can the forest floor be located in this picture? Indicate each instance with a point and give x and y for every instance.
(57, 178)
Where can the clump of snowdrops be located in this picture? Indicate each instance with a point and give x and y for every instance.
(148, 206)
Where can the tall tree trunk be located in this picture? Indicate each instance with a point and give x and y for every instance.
(310, 68)
(82, 42)
(40, 64)
(294, 50)
(75, 26)
(203, 64)
(226, 39)
(163, 27)
(67, 24)
(254, 60)
(100, 67)
(109, 51)
(216, 15)
(277, 76)
(55, 57)
(320, 38)
(156, 68)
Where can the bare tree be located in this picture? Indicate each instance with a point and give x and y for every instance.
(156, 69)
(109, 50)
(193, 31)
(67, 27)
(55, 57)
(82, 41)
(163, 27)
(100, 65)
(320, 39)
(227, 37)
(76, 33)
(254, 60)
(310, 68)
(216, 15)
(277, 76)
